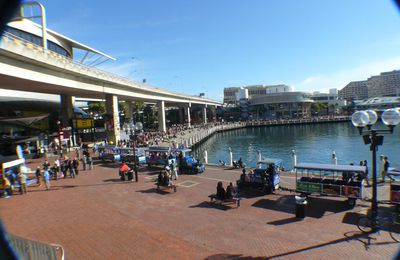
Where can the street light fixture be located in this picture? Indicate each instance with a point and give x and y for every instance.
(59, 138)
(374, 137)
(134, 129)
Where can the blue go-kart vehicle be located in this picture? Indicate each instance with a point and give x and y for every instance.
(265, 178)
(190, 165)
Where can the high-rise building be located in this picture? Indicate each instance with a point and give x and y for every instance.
(387, 84)
(354, 90)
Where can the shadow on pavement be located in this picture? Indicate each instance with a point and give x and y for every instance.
(316, 207)
(284, 221)
(233, 257)
(365, 239)
(112, 180)
(250, 193)
(154, 190)
(210, 205)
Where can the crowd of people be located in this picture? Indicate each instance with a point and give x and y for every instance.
(61, 167)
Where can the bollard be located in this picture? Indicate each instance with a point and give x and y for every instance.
(294, 159)
(259, 159)
(230, 156)
(205, 157)
(334, 158)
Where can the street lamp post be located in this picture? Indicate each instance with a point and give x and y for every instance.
(374, 137)
(135, 128)
(59, 138)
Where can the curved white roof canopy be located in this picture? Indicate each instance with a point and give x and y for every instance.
(67, 43)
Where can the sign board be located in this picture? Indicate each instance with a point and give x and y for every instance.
(83, 123)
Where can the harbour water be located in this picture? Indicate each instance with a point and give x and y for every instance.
(312, 142)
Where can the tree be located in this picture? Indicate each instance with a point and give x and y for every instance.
(149, 116)
(96, 108)
(318, 107)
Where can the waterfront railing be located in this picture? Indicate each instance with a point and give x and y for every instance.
(202, 133)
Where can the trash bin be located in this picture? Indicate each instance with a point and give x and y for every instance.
(301, 203)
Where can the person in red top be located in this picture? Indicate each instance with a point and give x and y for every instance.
(124, 168)
(123, 171)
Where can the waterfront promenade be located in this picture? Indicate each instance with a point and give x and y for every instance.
(197, 134)
(96, 216)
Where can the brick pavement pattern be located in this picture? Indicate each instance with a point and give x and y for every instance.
(96, 216)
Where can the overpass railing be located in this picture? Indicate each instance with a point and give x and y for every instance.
(28, 49)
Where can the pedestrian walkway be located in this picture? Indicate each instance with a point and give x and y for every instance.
(96, 216)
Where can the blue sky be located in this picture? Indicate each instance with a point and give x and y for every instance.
(206, 45)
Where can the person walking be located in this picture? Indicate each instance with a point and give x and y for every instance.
(71, 168)
(46, 178)
(38, 174)
(386, 165)
(64, 168)
(75, 165)
(366, 177)
(84, 162)
(46, 165)
(56, 168)
(174, 168)
(22, 183)
(90, 161)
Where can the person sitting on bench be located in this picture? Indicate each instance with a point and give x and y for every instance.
(231, 191)
(123, 170)
(221, 194)
(166, 181)
(160, 178)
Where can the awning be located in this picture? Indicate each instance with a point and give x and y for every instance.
(23, 121)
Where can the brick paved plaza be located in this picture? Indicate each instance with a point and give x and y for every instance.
(96, 216)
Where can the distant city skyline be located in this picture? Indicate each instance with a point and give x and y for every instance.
(204, 47)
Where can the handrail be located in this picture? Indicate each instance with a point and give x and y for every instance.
(92, 71)
(29, 249)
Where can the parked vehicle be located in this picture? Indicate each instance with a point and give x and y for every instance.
(190, 165)
(330, 180)
(114, 154)
(265, 178)
(158, 156)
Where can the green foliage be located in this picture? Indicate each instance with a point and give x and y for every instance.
(96, 108)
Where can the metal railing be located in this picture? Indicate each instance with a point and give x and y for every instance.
(26, 48)
(34, 250)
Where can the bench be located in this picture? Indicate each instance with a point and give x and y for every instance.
(234, 200)
(166, 187)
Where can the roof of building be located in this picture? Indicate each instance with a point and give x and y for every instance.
(36, 29)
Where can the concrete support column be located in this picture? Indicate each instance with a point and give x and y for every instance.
(128, 112)
(214, 114)
(67, 108)
(161, 116)
(66, 116)
(181, 115)
(113, 122)
(205, 114)
(187, 113)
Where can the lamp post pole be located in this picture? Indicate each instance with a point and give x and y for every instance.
(59, 138)
(374, 203)
(374, 137)
(134, 128)
(134, 157)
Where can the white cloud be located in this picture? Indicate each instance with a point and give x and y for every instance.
(340, 79)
